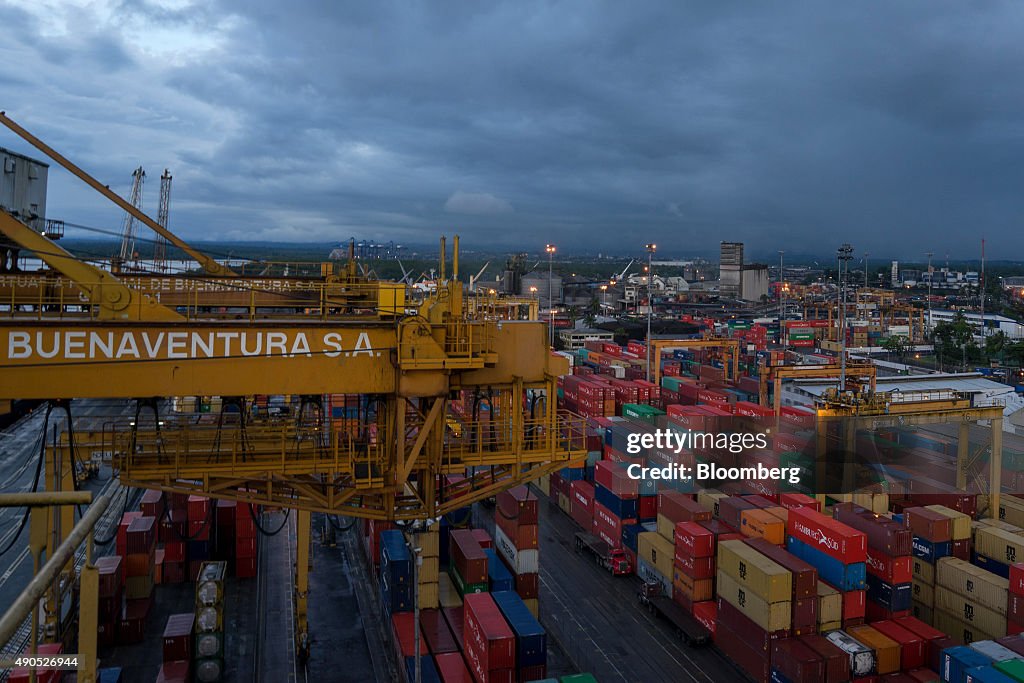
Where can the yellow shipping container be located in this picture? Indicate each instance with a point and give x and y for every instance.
(999, 545)
(428, 541)
(923, 571)
(960, 523)
(666, 528)
(923, 612)
(447, 595)
(771, 616)
(1011, 510)
(544, 484)
(657, 551)
(428, 571)
(984, 587)
(766, 578)
(923, 593)
(830, 604)
(564, 505)
(829, 626)
(428, 596)
(970, 612)
(960, 630)
(708, 499)
(695, 590)
(886, 649)
(533, 604)
(780, 512)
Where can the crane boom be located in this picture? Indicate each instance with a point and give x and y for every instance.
(208, 263)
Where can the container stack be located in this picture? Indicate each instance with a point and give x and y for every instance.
(517, 541)
(932, 540)
(139, 560)
(530, 637)
(655, 560)
(888, 561)
(616, 504)
(428, 572)
(223, 543)
(198, 535)
(804, 598)
(581, 504)
(468, 563)
(177, 645)
(488, 642)
(693, 563)
(1015, 600)
(245, 541)
(208, 649)
(837, 551)
(395, 573)
(403, 627)
(111, 600)
(754, 606)
(970, 602)
(830, 608)
(173, 532)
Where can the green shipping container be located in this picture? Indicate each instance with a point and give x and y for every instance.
(579, 678)
(641, 412)
(1014, 668)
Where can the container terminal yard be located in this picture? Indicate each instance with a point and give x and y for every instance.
(211, 475)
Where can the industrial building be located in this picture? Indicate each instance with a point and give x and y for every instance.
(740, 280)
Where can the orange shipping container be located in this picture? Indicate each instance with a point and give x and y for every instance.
(695, 590)
(887, 649)
(757, 523)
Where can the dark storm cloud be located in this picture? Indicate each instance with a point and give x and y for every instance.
(894, 125)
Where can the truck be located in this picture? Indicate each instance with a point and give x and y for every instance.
(615, 560)
(686, 625)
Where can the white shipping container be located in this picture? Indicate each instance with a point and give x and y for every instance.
(521, 561)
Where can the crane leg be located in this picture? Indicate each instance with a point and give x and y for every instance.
(302, 639)
(962, 450)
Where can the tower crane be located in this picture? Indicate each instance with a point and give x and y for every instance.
(162, 212)
(127, 252)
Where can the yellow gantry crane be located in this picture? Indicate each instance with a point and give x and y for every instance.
(730, 353)
(98, 335)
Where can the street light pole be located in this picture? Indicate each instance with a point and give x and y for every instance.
(651, 248)
(929, 255)
(845, 255)
(782, 303)
(866, 254)
(550, 248)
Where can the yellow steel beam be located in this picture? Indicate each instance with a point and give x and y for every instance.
(208, 264)
(405, 462)
(730, 347)
(112, 299)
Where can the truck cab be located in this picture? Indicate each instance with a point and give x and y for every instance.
(620, 562)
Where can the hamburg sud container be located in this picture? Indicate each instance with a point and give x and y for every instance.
(489, 643)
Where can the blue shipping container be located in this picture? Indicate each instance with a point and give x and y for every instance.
(931, 552)
(498, 575)
(623, 508)
(892, 597)
(986, 674)
(957, 660)
(988, 564)
(573, 473)
(428, 672)
(531, 639)
(845, 577)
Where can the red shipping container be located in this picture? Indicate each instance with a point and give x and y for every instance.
(403, 625)
(962, 549)
(245, 567)
(648, 508)
(436, 632)
(489, 642)
(798, 500)
(805, 616)
(483, 538)
(174, 551)
(173, 672)
(797, 662)
(21, 675)
(198, 508)
(837, 662)
(827, 535)
(178, 637)
(928, 524)
(452, 668)
(608, 522)
(528, 586)
(613, 477)
(694, 539)
(245, 547)
(140, 536)
(122, 531)
(518, 503)
(111, 572)
(1017, 578)
(455, 617)
(523, 536)
(139, 564)
(912, 650)
(679, 507)
(695, 567)
(890, 569)
(152, 503)
(467, 556)
(706, 613)
(854, 604)
(757, 665)
(581, 496)
(737, 622)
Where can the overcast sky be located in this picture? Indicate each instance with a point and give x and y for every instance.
(898, 126)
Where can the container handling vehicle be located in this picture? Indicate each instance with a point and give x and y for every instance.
(615, 560)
